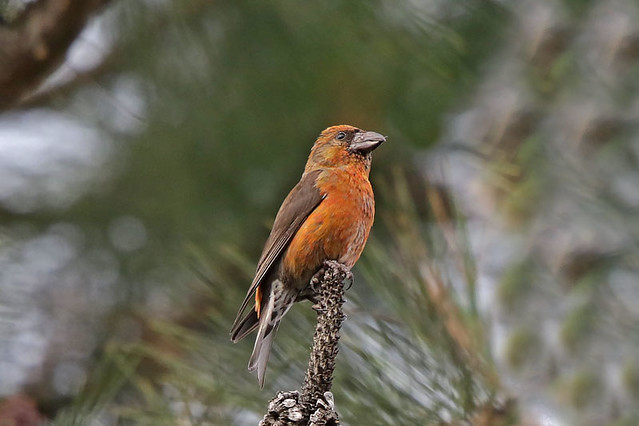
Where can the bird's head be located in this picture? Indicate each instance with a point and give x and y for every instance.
(343, 145)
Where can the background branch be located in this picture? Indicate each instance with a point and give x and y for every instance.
(36, 44)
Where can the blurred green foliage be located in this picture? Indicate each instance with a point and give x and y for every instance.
(495, 288)
(236, 92)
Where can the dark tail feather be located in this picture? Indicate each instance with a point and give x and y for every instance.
(244, 327)
(263, 342)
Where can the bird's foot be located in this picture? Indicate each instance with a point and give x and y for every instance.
(348, 275)
(309, 293)
(348, 281)
(315, 281)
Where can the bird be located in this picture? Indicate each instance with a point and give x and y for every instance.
(327, 216)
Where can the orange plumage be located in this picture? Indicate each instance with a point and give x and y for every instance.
(326, 216)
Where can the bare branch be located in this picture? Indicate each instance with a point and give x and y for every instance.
(329, 285)
(315, 406)
(35, 45)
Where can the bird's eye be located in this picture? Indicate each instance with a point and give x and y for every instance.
(341, 135)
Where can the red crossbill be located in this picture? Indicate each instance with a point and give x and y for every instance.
(326, 216)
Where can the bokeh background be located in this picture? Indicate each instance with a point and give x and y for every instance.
(140, 180)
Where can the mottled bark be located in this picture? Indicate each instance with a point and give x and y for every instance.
(314, 405)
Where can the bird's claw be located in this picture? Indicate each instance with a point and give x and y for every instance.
(348, 279)
(315, 280)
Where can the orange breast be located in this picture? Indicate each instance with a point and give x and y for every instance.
(337, 229)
